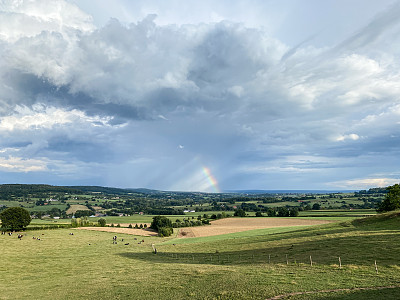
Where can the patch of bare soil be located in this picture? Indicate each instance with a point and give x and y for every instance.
(186, 232)
(141, 232)
(232, 225)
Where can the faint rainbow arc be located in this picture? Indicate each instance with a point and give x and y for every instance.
(211, 179)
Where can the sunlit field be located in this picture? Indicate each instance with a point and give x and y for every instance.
(256, 264)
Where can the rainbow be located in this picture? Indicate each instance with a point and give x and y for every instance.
(211, 179)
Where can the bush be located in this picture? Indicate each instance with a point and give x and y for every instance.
(15, 218)
(239, 213)
(259, 214)
(165, 231)
(130, 226)
(102, 222)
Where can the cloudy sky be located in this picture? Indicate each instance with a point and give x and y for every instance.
(200, 95)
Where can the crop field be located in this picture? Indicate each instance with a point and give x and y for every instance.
(75, 207)
(232, 225)
(257, 264)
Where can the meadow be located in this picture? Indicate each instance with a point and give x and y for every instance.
(257, 264)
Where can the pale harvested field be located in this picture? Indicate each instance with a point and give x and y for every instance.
(232, 225)
(75, 207)
(141, 232)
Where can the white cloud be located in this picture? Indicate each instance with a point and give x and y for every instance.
(351, 136)
(19, 164)
(366, 183)
(27, 18)
(43, 117)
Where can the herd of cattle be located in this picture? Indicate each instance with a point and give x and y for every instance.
(20, 236)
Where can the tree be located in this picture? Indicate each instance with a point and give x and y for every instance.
(239, 213)
(102, 222)
(259, 214)
(293, 212)
(15, 218)
(392, 199)
(163, 225)
(160, 221)
(316, 206)
(283, 212)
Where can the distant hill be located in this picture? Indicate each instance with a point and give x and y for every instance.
(288, 191)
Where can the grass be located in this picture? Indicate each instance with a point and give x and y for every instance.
(251, 265)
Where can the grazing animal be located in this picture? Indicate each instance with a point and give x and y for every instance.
(126, 244)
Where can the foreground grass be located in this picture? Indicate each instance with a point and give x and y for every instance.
(87, 265)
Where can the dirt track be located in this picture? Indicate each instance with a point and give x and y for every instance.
(231, 225)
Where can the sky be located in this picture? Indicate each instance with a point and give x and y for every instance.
(200, 95)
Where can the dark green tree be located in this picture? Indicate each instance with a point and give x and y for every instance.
(293, 212)
(102, 222)
(15, 218)
(392, 199)
(163, 225)
(259, 214)
(316, 206)
(239, 213)
(160, 221)
(283, 212)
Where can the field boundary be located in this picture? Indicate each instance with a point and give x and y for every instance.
(283, 296)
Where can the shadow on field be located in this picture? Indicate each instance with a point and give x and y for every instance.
(387, 294)
(358, 249)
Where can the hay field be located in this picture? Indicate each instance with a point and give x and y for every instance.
(232, 225)
(75, 207)
(140, 232)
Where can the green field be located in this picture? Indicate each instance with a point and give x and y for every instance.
(258, 264)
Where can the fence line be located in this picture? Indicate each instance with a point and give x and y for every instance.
(229, 258)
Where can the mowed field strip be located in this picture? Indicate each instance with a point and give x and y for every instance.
(232, 225)
(134, 231)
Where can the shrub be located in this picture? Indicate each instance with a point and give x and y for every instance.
(165, 231)
(102, 222)
(239, 213)
(130, 226)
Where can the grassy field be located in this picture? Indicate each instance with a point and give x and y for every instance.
(248, 265)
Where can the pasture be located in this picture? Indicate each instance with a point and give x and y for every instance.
(256, 264)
